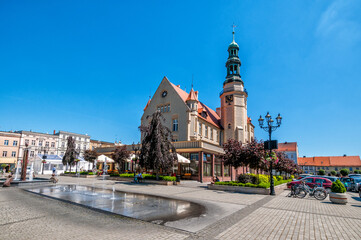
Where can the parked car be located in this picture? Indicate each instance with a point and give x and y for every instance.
(355, 184)
(312, 181)
(332, 178)
(354, 175)
(346, 181)
(304, 175)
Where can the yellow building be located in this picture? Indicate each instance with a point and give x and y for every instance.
(9, 148)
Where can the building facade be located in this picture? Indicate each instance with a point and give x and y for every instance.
(198, 132)
(82, 142)
(311, 165)
(290, 149)
(9, 148)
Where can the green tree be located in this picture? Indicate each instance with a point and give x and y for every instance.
(344, 172)
(321, 172)
(157, 151)
(333, 173)
(70, 154)
(120, 156)
(90, 156)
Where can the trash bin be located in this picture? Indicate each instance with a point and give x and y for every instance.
(178, 178)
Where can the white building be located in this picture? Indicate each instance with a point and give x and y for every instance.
(82, 142)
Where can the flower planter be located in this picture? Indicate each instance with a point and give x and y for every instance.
(339, 198)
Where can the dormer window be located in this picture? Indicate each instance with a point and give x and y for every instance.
(204, 114)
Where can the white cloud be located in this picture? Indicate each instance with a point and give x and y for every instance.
(339, 22)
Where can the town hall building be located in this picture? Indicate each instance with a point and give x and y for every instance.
(198, 132)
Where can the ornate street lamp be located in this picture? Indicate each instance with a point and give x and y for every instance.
(44, 157)
(270, 128)
(135, 149)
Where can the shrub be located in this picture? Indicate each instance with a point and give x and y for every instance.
(338, 187)
(114, 174)
(356, 171)
(279, 178)
(333, 173)
(292, 177)
(90, 173)
(84, 173)
(263, 178)
(168, 178)
(344, 172)
(321, 172)
(245, 178)
(128, 175)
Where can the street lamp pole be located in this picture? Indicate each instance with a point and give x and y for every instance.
(45, 150)
(135, 149)
(270, 128)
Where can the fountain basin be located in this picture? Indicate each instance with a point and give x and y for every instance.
(19, 183)
(154, 209)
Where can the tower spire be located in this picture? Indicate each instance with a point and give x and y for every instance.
(233, 27)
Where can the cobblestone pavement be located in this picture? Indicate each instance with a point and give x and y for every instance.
(25, 215)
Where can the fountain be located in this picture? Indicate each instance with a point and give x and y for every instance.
(140, 206)
(31, 172)
(17, 171)
(24, 180)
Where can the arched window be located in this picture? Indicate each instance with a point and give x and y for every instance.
(229, 126)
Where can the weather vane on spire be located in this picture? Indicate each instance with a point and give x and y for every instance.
(233, 26)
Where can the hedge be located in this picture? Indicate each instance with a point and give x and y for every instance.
(260, 185)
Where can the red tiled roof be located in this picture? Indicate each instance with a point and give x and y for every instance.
(212, 116)
(333, 161)
(287, 147)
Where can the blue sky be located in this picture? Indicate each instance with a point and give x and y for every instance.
(89, 66)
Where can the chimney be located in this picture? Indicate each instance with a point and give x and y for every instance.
(218, 110)
(54, 132)
(178, 86)
(344, 155)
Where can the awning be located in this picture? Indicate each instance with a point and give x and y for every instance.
(182, 159)
(103, 158)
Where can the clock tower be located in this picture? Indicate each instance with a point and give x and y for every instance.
(234, 99)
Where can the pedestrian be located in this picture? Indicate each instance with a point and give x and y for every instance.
(54, 170)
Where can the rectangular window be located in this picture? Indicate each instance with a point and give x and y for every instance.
(33, 142)
(218, 167)
(52, 153)
(5, 153)
(207, 164)
(40, 143)
(161, 109)
(158, 109)
(226, 171)
(32, 154)
(211, 134)
(168, 108)
(63, 144)
(6, 142)
(206, 131)
(26, 141)
(84, 147)
(350, 168)
(200, 128)
(15, 143)
(175, 124)
(46, 144)
(53, 144)
(13, 154)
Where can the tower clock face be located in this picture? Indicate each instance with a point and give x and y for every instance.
(229, 99)
(164, 93)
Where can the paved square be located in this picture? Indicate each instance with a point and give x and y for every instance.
(25, 215)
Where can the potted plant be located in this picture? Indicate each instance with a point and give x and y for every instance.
(338, 193)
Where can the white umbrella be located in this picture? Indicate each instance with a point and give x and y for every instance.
(182, 159)
(103, 158)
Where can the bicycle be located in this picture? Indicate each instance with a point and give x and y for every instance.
(318, 192)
